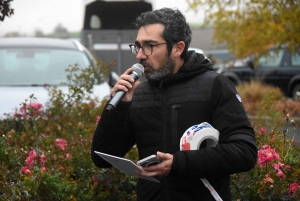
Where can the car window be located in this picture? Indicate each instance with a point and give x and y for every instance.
(38, 66)
(295, 59)
(30, 59)
(272, 60)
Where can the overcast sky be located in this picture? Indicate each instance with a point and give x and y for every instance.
(45, 15)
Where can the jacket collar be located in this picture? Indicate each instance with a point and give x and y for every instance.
(194, 64)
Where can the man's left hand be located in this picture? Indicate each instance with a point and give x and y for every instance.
(161, 169)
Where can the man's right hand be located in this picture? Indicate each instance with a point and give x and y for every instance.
(125, 84)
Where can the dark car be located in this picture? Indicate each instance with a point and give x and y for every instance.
(280, 68)
(27, 64)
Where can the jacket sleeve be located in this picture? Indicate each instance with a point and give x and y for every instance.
(236, 151)
(114, 134)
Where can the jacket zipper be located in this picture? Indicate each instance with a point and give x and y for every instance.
(160, 84)
(164, 149)
(174, 120)
(164, 122)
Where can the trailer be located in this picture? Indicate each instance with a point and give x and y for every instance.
(108, 30)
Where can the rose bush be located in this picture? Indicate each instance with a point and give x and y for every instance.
(45, 150)
(276, 175)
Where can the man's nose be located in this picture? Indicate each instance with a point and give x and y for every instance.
(140, 55)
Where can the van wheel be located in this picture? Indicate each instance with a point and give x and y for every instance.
(296, 92)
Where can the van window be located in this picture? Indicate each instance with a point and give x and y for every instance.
(95, 22)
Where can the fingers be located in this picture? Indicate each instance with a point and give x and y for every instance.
(163, 155)
(135, 85)
(124, 83)
(161, 169)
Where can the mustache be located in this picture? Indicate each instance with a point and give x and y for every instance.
(144, 63)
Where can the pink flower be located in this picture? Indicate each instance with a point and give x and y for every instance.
(24, 115)
(42, 158)
(32, 154)
(266, 146)
(30, 159)
(43, 169)
(276, 156)
(98, 118)
(280, 174)
(288, 167)
(26, 170)
(36, 108)
(61, 143)
(96, 181)
(293, 187)
(266, 154)
(68, 155)
(263, 130)
(25, 108)
(278, 166)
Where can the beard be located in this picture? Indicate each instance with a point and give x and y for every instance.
(165, 68)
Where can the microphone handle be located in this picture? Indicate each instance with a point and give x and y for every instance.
(120, 94)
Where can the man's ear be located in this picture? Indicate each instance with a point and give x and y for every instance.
(178, 49)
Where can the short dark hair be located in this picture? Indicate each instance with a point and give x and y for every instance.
(175, 26)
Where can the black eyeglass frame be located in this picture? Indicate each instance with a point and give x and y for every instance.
(134, 50)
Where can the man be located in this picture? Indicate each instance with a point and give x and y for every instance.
(181, 90)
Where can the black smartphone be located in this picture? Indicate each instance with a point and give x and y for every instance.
(150, 160)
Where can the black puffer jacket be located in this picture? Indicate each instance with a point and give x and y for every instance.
(158, 116)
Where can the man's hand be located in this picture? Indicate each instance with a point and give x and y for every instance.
(125, 84)
(161, 169)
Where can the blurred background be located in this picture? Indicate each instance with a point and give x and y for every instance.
(34, 16)
(57, 18)
(231, 33)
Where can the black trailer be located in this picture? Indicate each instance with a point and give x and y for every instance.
(108, 30)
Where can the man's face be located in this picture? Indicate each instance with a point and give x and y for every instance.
(158, 64)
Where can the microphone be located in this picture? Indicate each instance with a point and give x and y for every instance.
(138, 71)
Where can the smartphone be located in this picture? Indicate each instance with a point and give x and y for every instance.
(150, 160)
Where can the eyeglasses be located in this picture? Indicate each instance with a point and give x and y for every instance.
(146, 48)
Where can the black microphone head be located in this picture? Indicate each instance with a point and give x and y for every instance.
(138, 69)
